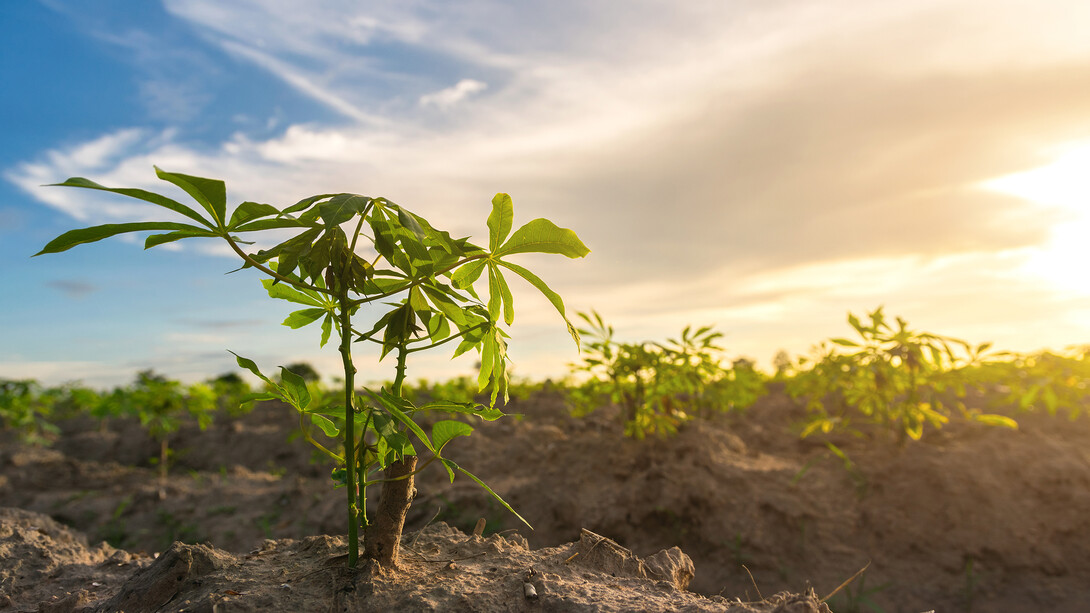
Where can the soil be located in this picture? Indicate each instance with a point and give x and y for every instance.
(735, 513)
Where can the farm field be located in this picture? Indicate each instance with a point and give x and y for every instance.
(969, 518)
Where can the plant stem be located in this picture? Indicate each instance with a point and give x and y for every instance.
(349, 428)
(383, 539)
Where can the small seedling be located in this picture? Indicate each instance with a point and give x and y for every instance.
(349, 253)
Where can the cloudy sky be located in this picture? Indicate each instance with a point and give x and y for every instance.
(765, 166)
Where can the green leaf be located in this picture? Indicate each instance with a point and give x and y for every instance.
(270, 224)
(451, 465)
(327, 328)
(410, 223)
(553, 297)
(996, 420)
(844, 342)
(443, 431)
(331, 430)
(304, 317)
(284, 291)
(295, 388)
(468, 274)
(140, 194)
(160, 239)
(210, 193)
(248, 211)
(488, 360)
(504, 291)
(499, 221)
(342, 207)
(543, 236)
(442, 300)
(305, 203)
(249, 365)
(495, 296)
(391, 403)
(70, 239)
(466, 408)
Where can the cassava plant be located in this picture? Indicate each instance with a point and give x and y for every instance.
(347, 256)
(659, 386)
(892, 377)
(161, 404)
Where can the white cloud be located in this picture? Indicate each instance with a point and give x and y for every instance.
(446, 98)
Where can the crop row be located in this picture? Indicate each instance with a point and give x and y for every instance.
(888, 380)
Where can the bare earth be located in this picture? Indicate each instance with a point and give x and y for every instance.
(970, 519)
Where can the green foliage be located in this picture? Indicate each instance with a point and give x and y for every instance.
(27, 411)
(892, 377)
(1058, 383)
(418, 282)
(660, 385)
(231, 392)
(161, 404)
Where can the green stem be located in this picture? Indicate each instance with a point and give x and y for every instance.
(402, 353)
(349, 429)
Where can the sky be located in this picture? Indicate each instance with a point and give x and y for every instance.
(763, 166)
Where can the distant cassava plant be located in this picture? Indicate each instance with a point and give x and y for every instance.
(161, 404)
(347, 252)
(892, 377)
(659, 386)
(27, 409)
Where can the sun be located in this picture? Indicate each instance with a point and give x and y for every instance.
(1061, 186)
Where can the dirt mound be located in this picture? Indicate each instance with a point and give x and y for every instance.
(42, 560)
(443, 570)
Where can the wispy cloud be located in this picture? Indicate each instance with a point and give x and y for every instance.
(73, 288)
(446, 98)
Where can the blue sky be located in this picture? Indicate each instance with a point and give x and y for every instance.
(765, 167)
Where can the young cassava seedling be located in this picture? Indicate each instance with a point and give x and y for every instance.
(420, 277)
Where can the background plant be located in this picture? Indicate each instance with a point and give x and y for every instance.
(161, 404)
(660, 385)
(895, 378)
(28, 412)
(418, 284)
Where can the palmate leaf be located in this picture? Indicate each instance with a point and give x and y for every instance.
(160, 239)
(70, 239)
(554, 298)
(467, 275)
(342, 207)
(295, 388)
(249, 211)
(442, 432)
(543, 236)
(139, 194)
(451, 465)
(328, 427)
(286, 292)
(304, 317)
(210, 193)
(270, 224)
(499, 221)
(465, 408)
(396, 407)
(251, 366)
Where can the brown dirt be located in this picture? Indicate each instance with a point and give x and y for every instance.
(969, 519)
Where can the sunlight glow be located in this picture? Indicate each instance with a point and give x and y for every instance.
(1062, 186)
